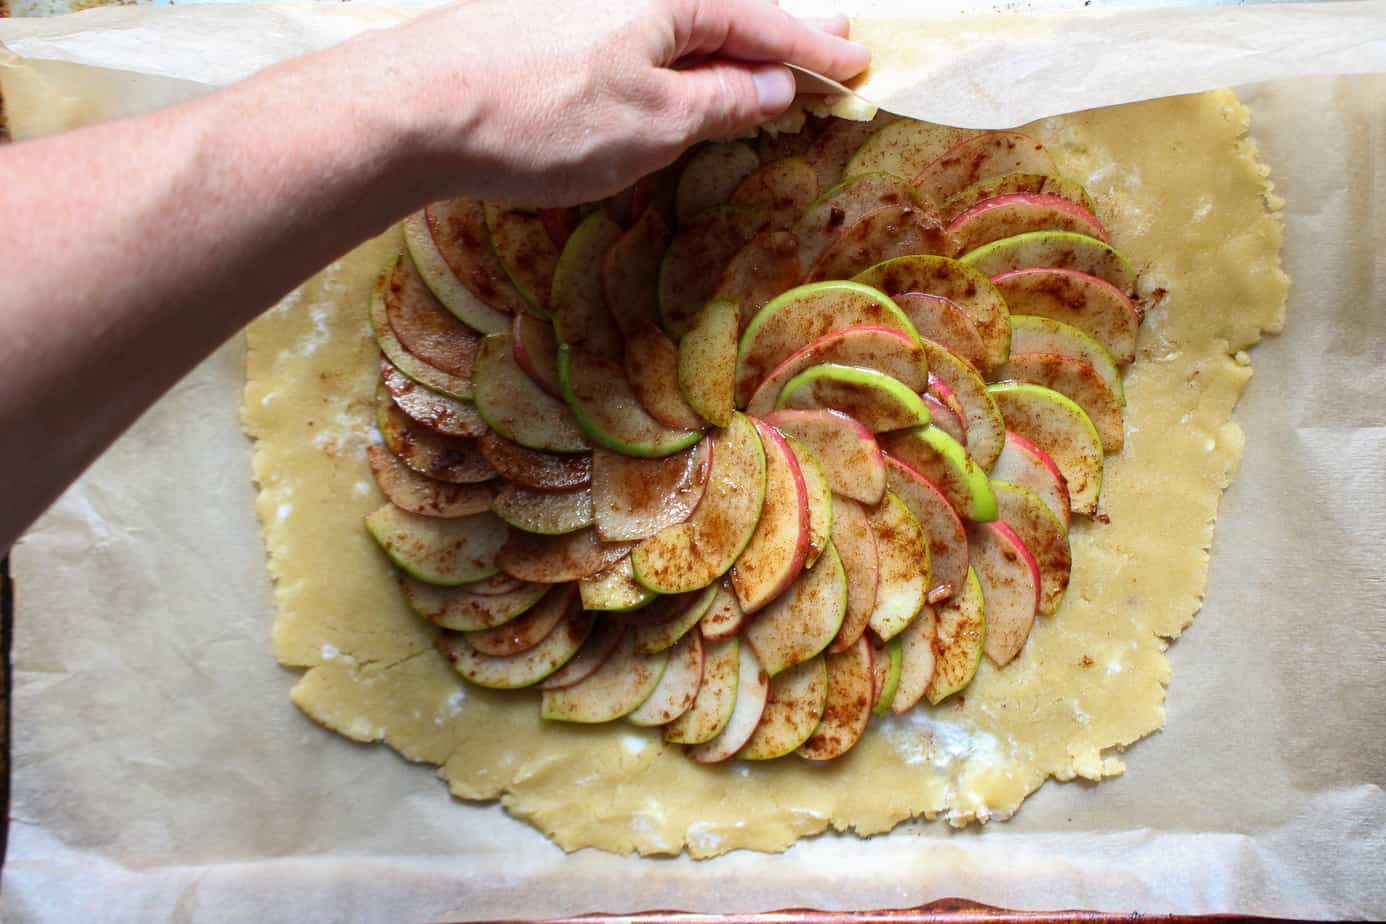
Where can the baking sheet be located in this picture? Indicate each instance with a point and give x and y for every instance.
(160, 772)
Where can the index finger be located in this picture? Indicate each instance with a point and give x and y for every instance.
(757, 30)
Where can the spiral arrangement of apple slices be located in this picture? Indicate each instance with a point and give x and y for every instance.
(783, 436)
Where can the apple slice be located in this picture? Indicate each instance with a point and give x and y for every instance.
(986, 432)
(496, 584)
(408, 363)
(1060, 428)
(447, 552)
(941, 392)
(962, 285)
(1055, 250)
(435, 410)
(837, 140)
(525, 251)
(843, 206)
(885, 674)
(630, 271)
(904, 577)
(1010, 583)
(752, 690)
(875, 400)
(946, 419)
(635, 498)
(856, 546)
(580, 316)
(423, 326)
(1030, 334)
(615, 689)
(678, 688)
(820, 500)
(848, 706)
(1092, 305)
(775, 554)
(882, 234)
(725, 617)
(1044, 184)
(447, 458)
(1078, 381)
(549, 513)
(556, 559)
(451, 248)
(941, 320)
(1043, 533)
(979, 158)
(461, 610)
(1025, 464)
(765, 267)
(917, 661)
(804, 314)
(661, 624)
(943, 531)
(710, 176)
(884, 349)
(609, 413)
(651, 191)
(519, 670)
(516, 407)
(904, 148)
(707, 362)
(595, 651)
(652, 368)
(793, 709)
(536, 351)
(1020, 213)
(696, 258)
(614, 589)
(962, 629)
(804, 619)
(527, 630)
(532, 469)
(847, 451)
(560, 223)
(712, 707)
(428, 497)
(940, 458)
(787, 186)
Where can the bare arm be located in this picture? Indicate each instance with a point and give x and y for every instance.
(146, 243)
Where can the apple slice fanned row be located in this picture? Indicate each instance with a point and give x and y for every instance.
(875, 400)
(1040, 184)
(887, 350)
(577, 298)
(435, 410)
(451, 246)
(665, 622)
(394, 350)
(615, 689)
(979, 158)
(526, 252)
(516, 407)
(882, 234)
(609, 413)
(851, 458)
(778, 547)
(548, 513)
(439, 551)
(1021, 213)
(904, 148)
(942, 460)
(1061, 429)
(794, 706)
(697, 257)
(419, 494)
(509, 672)
(531, 468)
(843, 206)
(847, 708)
(1054, 250)
(457, 460)
(528, 629)
(462, 610)
(678, 687)
(1089, 303)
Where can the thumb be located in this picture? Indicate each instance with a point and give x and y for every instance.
(721, 97)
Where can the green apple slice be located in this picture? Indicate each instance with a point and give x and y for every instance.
(804, 619)
(669, 619)
(407, 362)
(1046, 184)
(428, 497)
(528, 629)
(678, 688)
(630, 271)
(1010, 583)
(962, 631)
(802, 315)
(775, 554)
(751, 691)
(946, 418)
(595, 650)
(1025, 464)
(843, 206)
(765, 267)
(1055, 250)
(707, 362)
(423, 326)
(615, 590)
(793, 709)
(433, 409)
(694, 263)
(986, 432)
(526, 252)
(691, 555)
(725, 617)
(712, 707)
(526, 668)
(556, 559)
(787, 186)
(710, 176)
(943, 531)
(835, 143)
(903, 579)
(904, 148)
(944, 322)
(1021, 213)
(530, 468)
(1077, 380)
(875, 400)
(848, 707)
(1062, 430)
(856, 547)
(536, 351)
(580, 315)
(461, 610)
(516, 407)
(1092, 305)
(982, 157)
(447, 552)
(962, 285)
(820, 500)
(917, 661)
(1030, 334)
(1043, 533)
(635, 498)
(451, 248)
(496, 584)
(885, 674)
(652, 368)
(884, 349)
(549, 513)
(942, 460)
(609, 413)
(883, 234)
(613, 690)
(446, 458)
(848, 452)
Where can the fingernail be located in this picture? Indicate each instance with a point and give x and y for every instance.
(774, 88)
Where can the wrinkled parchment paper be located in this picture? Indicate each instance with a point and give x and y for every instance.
(160, 772)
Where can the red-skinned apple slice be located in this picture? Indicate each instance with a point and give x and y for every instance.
(820, 500)
(1025, 464)
(1044, 184)
(979, 158)
(1092, 305)
(449, 243)
(851, 460)
(1043, 533)
(707, 362)
(614, 589)
(875, 400)
(1055, 250)
(946, 419)
(560, 223)
(556, 559)
(793, 709)
(942, 392)
(765, 267)
(884, 349)
(903, 581)
(461, 610)
(548, 513)
(1063, 431)
(447, 458)
(1077, 380)
(725, 617)
(608, 411)
(415, 493)
(942, 321)
(848, 706)
(525, 251)
(1010, 584)
(1021, 213)
(435, 410)
(437, 551)
(943, 530)
(843, 206)
(804, 619)
(752, 689)
(661, 624)
(652, 367)
(904, 148)
(536, 351)
(775, 554)
(710, 176)
(423, 326)
(1030, 334)
(516, 407)
(942, 460)
(882, 234)
(697, 257)
(712, 707)
(529, 629)
(530, 468)
(985, 430)
(787, 186)
(596, 648)
(526, 668)
(635, 498)
(917, 661)
(885, 674)
(958, 645)
(580, 316)
(691, 555)
(630, 271)
(408, 363)
(856, 547)
(615, 689)
(834, 143)
(678, 688)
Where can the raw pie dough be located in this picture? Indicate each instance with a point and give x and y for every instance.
(1184, 197)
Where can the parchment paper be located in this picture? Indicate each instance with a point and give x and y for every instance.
(160, 772)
